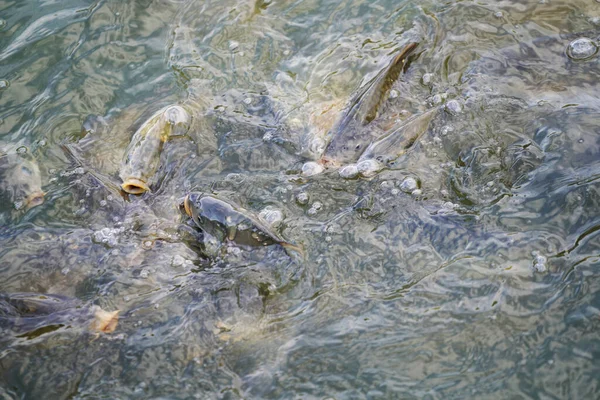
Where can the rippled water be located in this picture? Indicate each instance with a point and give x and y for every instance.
(468, 268)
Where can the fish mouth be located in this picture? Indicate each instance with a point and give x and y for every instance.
(35, 199)
(186, 206)
(135, 186)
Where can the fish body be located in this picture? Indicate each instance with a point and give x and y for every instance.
(30, 315)
(20, 181)
(226, 221)
(142, 157)
(349, 137)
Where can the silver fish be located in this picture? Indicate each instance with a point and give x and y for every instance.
(143, 154)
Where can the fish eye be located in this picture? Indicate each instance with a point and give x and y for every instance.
(26, 170)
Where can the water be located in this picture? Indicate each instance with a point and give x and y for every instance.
(466, 268)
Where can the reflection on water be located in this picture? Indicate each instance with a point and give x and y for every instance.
(466, 268)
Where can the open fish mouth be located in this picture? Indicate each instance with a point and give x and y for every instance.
(186, 206)
(135, 186)
(35, 199)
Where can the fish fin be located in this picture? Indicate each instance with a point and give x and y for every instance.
(105, 321)
(295, 248)
(399, 141)
(107, 182)
(231, 232)
(377, 90)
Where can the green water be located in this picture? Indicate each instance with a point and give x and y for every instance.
(480, 282)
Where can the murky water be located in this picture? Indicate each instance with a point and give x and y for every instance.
(467, 268)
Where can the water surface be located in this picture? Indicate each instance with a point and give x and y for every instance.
(481, 282)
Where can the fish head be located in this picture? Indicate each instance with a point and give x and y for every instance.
(178, 119)
(22, 182)
(135, 186)
(214, 216)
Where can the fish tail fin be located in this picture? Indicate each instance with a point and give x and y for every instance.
(294, 248)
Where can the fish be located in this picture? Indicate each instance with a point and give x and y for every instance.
(142, 157)
(348, 137)
(226, 221)
(20, 181)
(29, 315)
(392, 146)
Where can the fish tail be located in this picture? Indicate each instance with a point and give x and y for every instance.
(294, 248)
(377, 93)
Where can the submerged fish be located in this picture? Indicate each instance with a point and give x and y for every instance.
(226, 221)
(348, 138)
(20, 181)
(143, 154)
(30, 315)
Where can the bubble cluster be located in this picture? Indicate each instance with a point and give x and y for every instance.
(302, 198)
(539, 262)
(315, 208)
(272, 216)
(107, 236)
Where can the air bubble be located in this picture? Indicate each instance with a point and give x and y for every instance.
(267, 137)
(427, 78)
(498, 14)
(102, 203)
(4, 84)
(409, 185)
(453, 107)
(369, 168)
(394, 94)
(22, 150)
(178, 261)
(581, 49)
(312, 168)
(144, 273)
(233, 45)
(349, 171)
(248, 100)
(2, 23)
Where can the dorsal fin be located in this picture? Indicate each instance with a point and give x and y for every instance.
(377, 90)
(348, 139)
